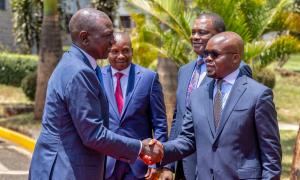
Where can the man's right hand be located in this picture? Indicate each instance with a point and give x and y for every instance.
(152, 151)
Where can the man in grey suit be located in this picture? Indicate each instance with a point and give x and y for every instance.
(231, 122)
(74, 137)
(190, 77)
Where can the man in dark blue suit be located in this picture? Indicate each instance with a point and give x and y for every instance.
(74, 138)
(231, 122)
(190, 77)
(136, 106)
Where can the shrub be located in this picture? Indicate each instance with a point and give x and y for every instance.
(28, 85)
(14, 67)
(266, 77)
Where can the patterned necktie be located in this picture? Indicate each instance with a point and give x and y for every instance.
(194, 81)
(99, 75)
(218, 104)
(118, 92)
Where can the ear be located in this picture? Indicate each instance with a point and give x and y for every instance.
(83, 37)
(236, 59)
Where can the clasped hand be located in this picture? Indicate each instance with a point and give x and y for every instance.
(152, 151)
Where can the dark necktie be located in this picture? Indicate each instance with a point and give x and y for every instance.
(99, 75)
(194, 80)
(218, 104)
(118, 92)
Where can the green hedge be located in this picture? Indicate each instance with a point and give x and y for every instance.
(14, 67)
(28, 85)
(266, 77)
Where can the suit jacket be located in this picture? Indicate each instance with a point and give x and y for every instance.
(245, 146)
(74, 137)
(143, 111)
(184, 75)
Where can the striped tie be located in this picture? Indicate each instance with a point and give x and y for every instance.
(218, 104)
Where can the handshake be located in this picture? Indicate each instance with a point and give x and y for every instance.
(152, 151)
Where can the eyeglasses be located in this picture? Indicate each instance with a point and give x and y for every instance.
(214, 54)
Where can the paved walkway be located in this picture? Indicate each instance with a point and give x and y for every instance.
(14, 161)
(286, 126)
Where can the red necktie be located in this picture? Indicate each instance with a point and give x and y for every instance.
(118, 92)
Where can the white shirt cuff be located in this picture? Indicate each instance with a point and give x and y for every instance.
(141, 147)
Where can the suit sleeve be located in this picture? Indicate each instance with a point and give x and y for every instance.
(268, 136)
(184, 144)
(174, 129)
(245, 69)
(174, 126)
(158, 111)
(82, 96)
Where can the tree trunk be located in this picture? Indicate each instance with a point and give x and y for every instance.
(167, 71)
(295, 171)
(50, 52)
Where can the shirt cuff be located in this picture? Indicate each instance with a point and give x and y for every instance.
(140, 148)
(152, 166)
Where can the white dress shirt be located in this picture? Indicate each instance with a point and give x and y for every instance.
(123, 80)
(226, 86)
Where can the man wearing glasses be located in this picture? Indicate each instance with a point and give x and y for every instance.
(231, 122)
(190, 77)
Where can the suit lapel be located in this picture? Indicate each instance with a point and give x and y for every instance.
(108, 83)
(205, 80)
(133, 79)
(236, 92)
(209, 107)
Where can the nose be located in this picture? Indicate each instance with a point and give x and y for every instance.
(196, 36)
(208, 58)
(120, 56)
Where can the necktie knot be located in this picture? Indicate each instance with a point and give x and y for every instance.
(119, 75)
(199, 63)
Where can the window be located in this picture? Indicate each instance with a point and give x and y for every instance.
(2, 4)
(125, 21)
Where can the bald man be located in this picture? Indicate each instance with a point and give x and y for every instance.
(74, 138)
(191, 76)
(231, 122)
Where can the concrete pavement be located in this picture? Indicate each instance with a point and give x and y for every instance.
(14, 161)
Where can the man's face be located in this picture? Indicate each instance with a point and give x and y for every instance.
(202, 30)
(101, 39)
(220, 58)
(120, 55)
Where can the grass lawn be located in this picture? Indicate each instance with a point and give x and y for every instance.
(288, 139)
(287, 93)
(293, 63)
(11, 94)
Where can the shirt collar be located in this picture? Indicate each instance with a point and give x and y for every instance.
(230, 78)
(124, 71)
(89, 57)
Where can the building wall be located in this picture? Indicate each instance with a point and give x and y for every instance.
(7, 40)
(6, 33)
